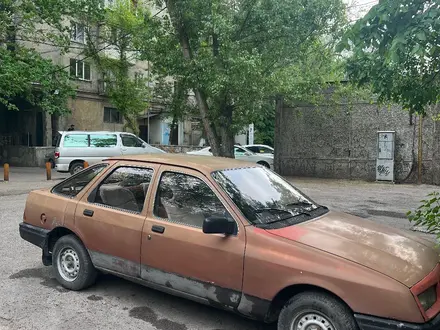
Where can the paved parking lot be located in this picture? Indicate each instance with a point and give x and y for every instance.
(30, 298)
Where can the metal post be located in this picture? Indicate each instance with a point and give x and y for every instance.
(48, 171)
(420, 151)
(148, 127)
(6, 172)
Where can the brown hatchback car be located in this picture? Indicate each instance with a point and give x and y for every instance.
(235, 236)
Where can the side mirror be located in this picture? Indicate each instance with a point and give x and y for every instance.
(247, 153)
(219, 225)
(144, 145)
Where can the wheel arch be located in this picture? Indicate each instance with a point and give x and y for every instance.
(284, 295)
(75, 161)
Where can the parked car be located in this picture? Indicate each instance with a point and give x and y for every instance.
(241, 153)
(236, 236)
(73, 148)
(260, 148)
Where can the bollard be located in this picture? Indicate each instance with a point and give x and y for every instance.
(48, 171)
(6, 172)
(86, 164)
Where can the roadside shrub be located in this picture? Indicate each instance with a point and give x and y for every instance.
(427, 214)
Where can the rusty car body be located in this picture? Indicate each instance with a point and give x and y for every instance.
(235, 236)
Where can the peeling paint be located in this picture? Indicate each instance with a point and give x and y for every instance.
(227, 298)
(120, 265)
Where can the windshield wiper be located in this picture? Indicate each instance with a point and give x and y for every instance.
(290, 213)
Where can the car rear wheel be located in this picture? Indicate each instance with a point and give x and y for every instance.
(73, 267)
(76, 167)
(315, 311)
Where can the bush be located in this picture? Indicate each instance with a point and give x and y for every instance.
(428, 214)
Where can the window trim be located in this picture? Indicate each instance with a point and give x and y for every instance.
(103, 165)
(84, 63)
(201, 178)
(99, 184)
(75, 26)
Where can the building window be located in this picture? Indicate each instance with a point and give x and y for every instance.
(80, 70)
(78, 33)
(112, 116)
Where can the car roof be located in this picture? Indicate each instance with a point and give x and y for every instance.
(93, 132)
(203, 164)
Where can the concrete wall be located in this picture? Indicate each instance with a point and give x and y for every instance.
(25, 156)
(177, 149)
(341, 142)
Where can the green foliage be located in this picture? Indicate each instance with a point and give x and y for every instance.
(24, 73)
(395, 50)
(122, 26)
(428, 214)
(234, 55)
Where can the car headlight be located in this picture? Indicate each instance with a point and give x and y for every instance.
(428, 298)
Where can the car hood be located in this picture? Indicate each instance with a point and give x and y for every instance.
(402, 256)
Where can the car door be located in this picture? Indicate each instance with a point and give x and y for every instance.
(110, 218)
(177, 255)
(131, 145)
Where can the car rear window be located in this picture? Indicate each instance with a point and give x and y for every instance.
(76, 141)
(75, 184)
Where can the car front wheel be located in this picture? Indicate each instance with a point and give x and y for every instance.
(73, 267)
(315, 311)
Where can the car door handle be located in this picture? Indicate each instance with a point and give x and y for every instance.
(158, 229)
(88, 213)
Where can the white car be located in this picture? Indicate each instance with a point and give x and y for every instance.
(260, 148)
(241, 153)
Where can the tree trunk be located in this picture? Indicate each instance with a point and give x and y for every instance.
(226, 133)
(202, 103)
(132, 124)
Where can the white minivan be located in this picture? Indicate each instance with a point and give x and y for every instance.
(73, 148)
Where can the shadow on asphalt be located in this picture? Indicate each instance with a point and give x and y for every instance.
(144, 298)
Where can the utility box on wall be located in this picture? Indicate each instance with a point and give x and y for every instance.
(385, 155)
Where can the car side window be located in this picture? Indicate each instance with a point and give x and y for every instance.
(239, 151)
(75, 184)
(185, 199)
(125, 188)
(130, 141)
(254, 149)
(103, 140)
(76, 141)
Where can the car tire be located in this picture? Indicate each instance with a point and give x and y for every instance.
(73, 267)
(75, 167)
(315, 308)
(266, 165)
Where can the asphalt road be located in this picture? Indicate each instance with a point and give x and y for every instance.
(30, 297)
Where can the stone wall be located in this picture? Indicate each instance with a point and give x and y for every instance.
(341, 142)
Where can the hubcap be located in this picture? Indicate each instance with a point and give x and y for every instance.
(77, 169)
(68, 264)
(311, 321)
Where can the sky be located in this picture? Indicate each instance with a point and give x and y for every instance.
(358, 8)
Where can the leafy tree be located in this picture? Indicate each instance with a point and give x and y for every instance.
(236, 54)
(119, 29)
(395, 50)
(24, 73)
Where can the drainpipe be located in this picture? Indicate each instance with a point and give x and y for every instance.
(420, 151)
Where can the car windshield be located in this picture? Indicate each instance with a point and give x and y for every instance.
(266, 199)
